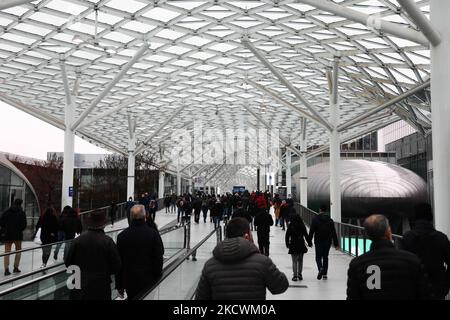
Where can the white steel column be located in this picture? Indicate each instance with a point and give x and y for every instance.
(69, 143)
(178, 179)
(335, 149)
(288, 173)
(131, 157)
(440, 97)
(161, 185)
(303, 167)
(69, 155)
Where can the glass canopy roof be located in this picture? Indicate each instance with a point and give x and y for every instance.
(197, 59)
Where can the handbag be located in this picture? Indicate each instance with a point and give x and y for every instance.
(37, 237)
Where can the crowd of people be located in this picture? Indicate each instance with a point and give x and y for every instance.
(238, 269)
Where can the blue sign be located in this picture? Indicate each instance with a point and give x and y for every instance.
(70, 191)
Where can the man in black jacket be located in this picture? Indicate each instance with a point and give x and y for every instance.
(141, 250)
(96, 255)
(237, 271)
(14, 222)
(432, 247)
(263, 222)
(385, 273)
(323, 231)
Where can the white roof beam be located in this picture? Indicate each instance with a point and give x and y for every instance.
(368, 20)
(111, 85)
(283, 140)
(143, 146)
(284, 81)
(383, 106)
(421, 21)
(284, 102)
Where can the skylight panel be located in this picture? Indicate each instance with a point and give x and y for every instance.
(169, 34)
(188, 5)
(47, 18)
(196, 41)
(218, 12)
(17, 38)
(161, 14)
(66, 7)
(25, 27)
(85, 28)
(105, 18)
(138, 26)
(17, 10)
(201, 55)
(4, 21)
(119, 37)
(129, 6)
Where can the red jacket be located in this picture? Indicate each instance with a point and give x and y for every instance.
(261, 202)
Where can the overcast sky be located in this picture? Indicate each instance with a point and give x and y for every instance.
(25, 135)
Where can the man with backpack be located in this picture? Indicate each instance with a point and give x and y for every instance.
(433, 249)
(323, 231)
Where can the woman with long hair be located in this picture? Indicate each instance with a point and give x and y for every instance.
(296, 235)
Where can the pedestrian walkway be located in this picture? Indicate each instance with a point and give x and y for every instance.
(32, 260)
(334, 288)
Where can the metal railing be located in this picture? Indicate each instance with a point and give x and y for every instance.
(169, 270)
(60, 267)
(352, 239)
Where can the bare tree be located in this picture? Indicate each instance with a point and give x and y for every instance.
(45, 176)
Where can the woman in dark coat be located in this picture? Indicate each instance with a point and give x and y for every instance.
(112, 212)
(48, 223)
(296, 235)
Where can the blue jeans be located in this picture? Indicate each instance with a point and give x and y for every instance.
(216, 222)
(180, 213)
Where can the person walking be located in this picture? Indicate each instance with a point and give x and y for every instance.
(13, 222)
(112, 212)
(129, 205)
(263, 222)
(240, 212)
(173, 203)
(284, 214)
(98, 259)
(276, 203)
(197, 205)
(385, 273)
(324, 233)
(295, 238)
(432, 247)
(48, 223)
(61, 235)
(167, 203)
(141, 251)
(70, 225)
(180, 206)
(204, 208)
(153, 208)
(237, 271)
(216, 212)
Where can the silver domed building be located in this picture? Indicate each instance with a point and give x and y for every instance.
(368, 187)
